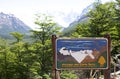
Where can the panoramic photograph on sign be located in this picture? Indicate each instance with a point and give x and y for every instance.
(82, 53)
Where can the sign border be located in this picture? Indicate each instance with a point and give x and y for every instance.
(95, 38)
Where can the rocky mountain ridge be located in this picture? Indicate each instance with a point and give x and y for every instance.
(10, 23)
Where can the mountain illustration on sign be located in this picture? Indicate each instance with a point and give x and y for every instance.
(79, 56)
(101, 61)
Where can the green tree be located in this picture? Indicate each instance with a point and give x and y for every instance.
(18, 36)
(116, 20)
(100, 22)
(47, 27)
(82, 30)
(23, 57)
(7, 69)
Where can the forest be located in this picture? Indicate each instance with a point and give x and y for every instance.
(34, 59)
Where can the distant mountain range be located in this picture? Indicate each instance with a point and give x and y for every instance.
(82, 18)
(10, 23)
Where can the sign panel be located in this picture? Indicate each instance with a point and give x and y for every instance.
(89, 53)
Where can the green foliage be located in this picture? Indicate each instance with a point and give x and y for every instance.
(100, 23)
(46, 76)
(18, 36)
(68, 75)
(101, 20)
(7, 61)
(115, 42)
(42, 42)
(82, 30)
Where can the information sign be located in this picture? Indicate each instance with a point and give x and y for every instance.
(85, 53)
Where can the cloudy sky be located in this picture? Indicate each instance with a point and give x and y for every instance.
(25, 10)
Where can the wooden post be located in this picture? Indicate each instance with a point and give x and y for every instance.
(55, 73)
(58, 74)
(54, 56)
(107, 71)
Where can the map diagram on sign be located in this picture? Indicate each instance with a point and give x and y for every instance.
(79, 56)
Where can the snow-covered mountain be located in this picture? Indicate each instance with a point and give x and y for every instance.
(10, 23)
(63, 18)
(81, 18)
